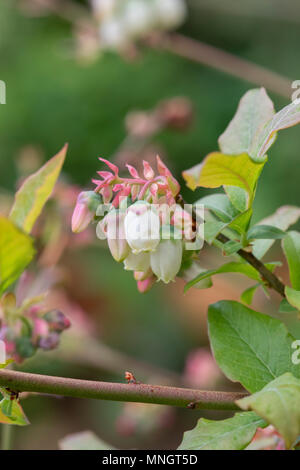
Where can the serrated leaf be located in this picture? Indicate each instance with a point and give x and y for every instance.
(278, 403)
(283, 218)
(265, 232)
(229, 434)
(86, 440)
(232, 267)
(16, 252)
(218, 169)
(254, 111)
(287, 117)
(249, 347)
(291, 249)
(293, 296)
(35, 191)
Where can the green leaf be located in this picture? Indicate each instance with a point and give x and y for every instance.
(212, 228)
(247, 295)
(16, 252)
(254, 111)
(286, 307)
(220, 205)
(85, 440)
(11, 412)
(278, 403)
(231, 247)
(232, 267)
(283, 218)
(237, 196)
(241, 223)
(286, 117)
(218, 169)
(35, 191)
(249, 347)
(229, 434)
(265, 232)
(291, 249)
(293, 296)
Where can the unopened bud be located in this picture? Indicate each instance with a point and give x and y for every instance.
(85, 209)
(115, 233)
(146, 284)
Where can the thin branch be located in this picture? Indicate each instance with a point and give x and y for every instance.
(270, 278)
(231, 64)
(141, 393)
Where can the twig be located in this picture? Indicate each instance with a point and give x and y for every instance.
(218, 59)
(142, 393)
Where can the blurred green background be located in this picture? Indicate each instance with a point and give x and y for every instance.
(53, 99)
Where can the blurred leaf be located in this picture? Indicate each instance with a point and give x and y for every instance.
(278, 403)
(218, 169)
(220, 205)
(229, 434)
(293, 296)
(291, 249)
(247, 295)
(283, 218)
(249, 347)
(6, 363)
(287, 117)
(85, 440)
(35, 191)
(16, 252)
(212, 228)
(231, 247)
(254, 111)
(232, 267)
(265, 232)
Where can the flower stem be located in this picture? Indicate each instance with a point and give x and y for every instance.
(6, 436)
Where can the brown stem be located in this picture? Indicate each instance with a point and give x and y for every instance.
(141, 393)
(218, 59)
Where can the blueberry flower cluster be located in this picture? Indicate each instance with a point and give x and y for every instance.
(140, 217)
(26, 328)
(123, 21)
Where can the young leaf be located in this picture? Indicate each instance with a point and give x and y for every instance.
(286, 307)
(278, 403)
(212, 228)
(229, 434)
(293, 296)
(16, 252)
(218, 169)
(231, 247)
(283, 218)
(286, 117)
(254, 111)
(85, 440)
(11, 412)
(35, 191)
(265, 232)
(291, 248)
(220, 205)
(237, 196)
(247, 295)
(250, 347)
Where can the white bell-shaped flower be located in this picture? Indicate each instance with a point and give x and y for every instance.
(142, 227)
(139, 262)
(166, 260)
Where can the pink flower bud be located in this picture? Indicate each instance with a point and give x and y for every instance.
(172, 182)
(85, 209)
(148, 171)
(142, 275)
(41, 328)
(146, 284)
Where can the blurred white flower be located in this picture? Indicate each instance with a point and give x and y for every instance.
(112, 34)
(103, 8)
(170, 13)
(138, 17)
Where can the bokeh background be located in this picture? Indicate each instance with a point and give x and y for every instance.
(53, 97)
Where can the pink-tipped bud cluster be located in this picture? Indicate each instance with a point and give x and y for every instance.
(144, 226)
(27, 328)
